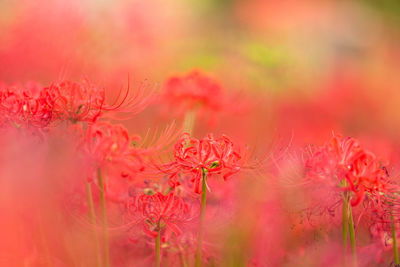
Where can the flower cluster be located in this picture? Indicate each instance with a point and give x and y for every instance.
(154, 189)
(86, 182)
(36, 106)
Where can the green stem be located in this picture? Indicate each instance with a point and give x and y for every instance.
(202, 216)
(345, 219)
(394, 237)
(188, 124)
(104, 217)
(158, 250)
(93, 222)
(352, 236)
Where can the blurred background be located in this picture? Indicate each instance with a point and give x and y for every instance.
(308, 67)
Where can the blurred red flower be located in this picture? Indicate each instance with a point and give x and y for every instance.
(158, 213)
(344, 164)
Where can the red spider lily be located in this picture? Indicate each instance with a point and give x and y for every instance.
(368, 178)
(75, 101)
(215, 156)
(193, 90)
(198, 94)
(110, 148)
(83, 101)
(66, 100)
(332, 161)
(158, 213)
(344, 164)
(24, 105)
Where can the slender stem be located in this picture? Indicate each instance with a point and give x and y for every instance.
(202, 216)
(352, 236)
(189, 121)
(345, 219)
(394, 237)
(182, 257)
(93, 222)
(104, 217)
(158, 250)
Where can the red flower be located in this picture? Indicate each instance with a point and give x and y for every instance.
(159, 213)
(24, 105)
(75, 101)
(343, 163)
(332, 161)
(110, 148)
(368, 178)
(215, 156)
(84, 101)
(193, 90)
